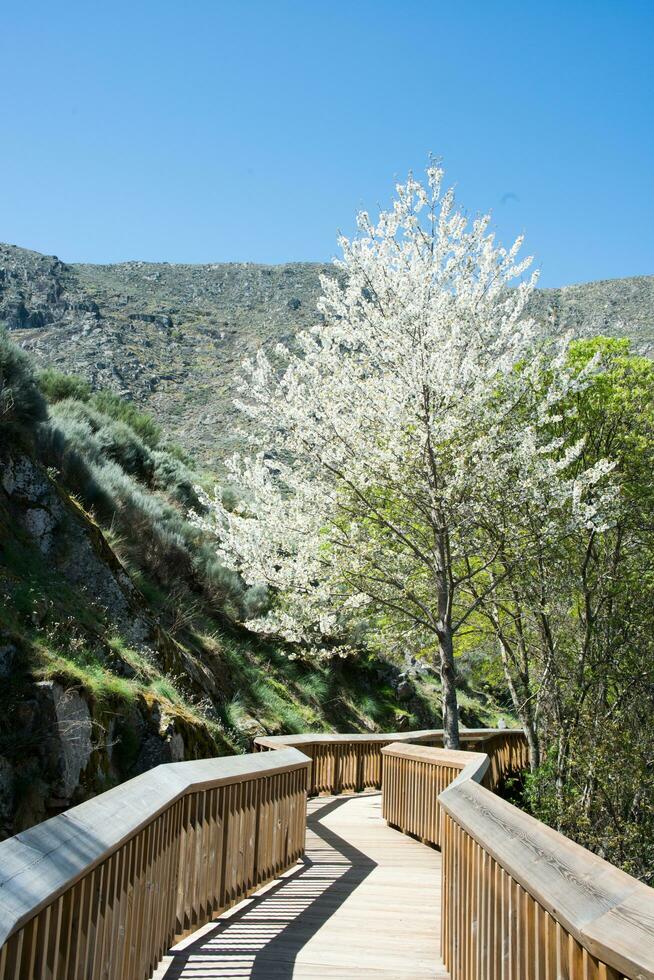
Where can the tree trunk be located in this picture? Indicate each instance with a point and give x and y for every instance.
(444, 599)
(448, 685)
(533, 743)
(522, 706)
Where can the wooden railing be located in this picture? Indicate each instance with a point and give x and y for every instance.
(520, 901)
(352, 763)
(103, 890)
(414, 776)
(413, 781)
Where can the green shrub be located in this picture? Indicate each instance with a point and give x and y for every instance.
(171, 475)
(120, 443)
(255, 601)
(101, 438)
(103, 451)
(223, 587)
(315, 685)
(57, 386)
(73, 432)
(67, 445)
(123, 411)
(22, 406)
(173, 449)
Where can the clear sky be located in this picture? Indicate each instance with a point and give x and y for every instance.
(206, 130)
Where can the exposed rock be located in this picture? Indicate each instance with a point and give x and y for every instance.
(41, 525)
(71, 743)
(42, 509)
(405, 690)
(176, 746)
(153, 752)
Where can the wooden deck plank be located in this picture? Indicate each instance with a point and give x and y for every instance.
(365, 902)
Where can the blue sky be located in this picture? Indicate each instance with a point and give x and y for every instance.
(253, 131)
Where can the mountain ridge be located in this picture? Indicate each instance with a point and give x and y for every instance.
(172, 336)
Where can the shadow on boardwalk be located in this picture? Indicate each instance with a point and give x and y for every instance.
(262, 940)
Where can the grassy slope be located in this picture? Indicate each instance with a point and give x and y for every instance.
(63, 634)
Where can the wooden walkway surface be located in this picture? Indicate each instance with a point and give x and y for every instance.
(365, 902)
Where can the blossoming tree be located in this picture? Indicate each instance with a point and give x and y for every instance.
(405, 417)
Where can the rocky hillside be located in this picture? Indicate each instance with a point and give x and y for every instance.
(172, 337)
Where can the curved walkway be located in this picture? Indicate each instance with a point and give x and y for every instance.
(364, 902)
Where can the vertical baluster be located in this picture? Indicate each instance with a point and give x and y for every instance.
(105, 920)
(575, 959)
(496, 924)
(590, 969)
(120, 931)
(143, 957)
(482, 939)
(95, 918)
(528, 937)
(224, 857)
(14, 955)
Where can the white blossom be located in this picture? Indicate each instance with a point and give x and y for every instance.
(413, 415)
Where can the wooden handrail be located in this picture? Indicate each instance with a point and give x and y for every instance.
(103, 890)
(520, 901)
(413, 778)
(352, 763)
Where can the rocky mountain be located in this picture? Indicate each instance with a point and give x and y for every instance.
(172, 337)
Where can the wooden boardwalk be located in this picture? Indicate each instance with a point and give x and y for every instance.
(365, 902)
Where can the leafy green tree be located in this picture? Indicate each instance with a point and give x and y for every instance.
(574, 624)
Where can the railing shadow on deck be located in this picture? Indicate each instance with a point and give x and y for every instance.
(267, 934)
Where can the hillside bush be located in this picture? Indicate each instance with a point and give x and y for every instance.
(56, 386)
(120, 443)
(22, 406)
(172, 475)
(159, 539)
(101, 437)
(223, 587)
(102, 450)
(67, 445)
(256, 600)
(123, 411)
(176, 451)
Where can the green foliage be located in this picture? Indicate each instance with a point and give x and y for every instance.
(100, 437)
(22, 406)
(128, 485)
(110, 455)
(577, 625)
(120, 443)
(85, 669)
(255, 601)
(56, 386)
(120, 410)
(172, 475)
(176, 451)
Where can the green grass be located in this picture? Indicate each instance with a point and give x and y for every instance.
(84, 669)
